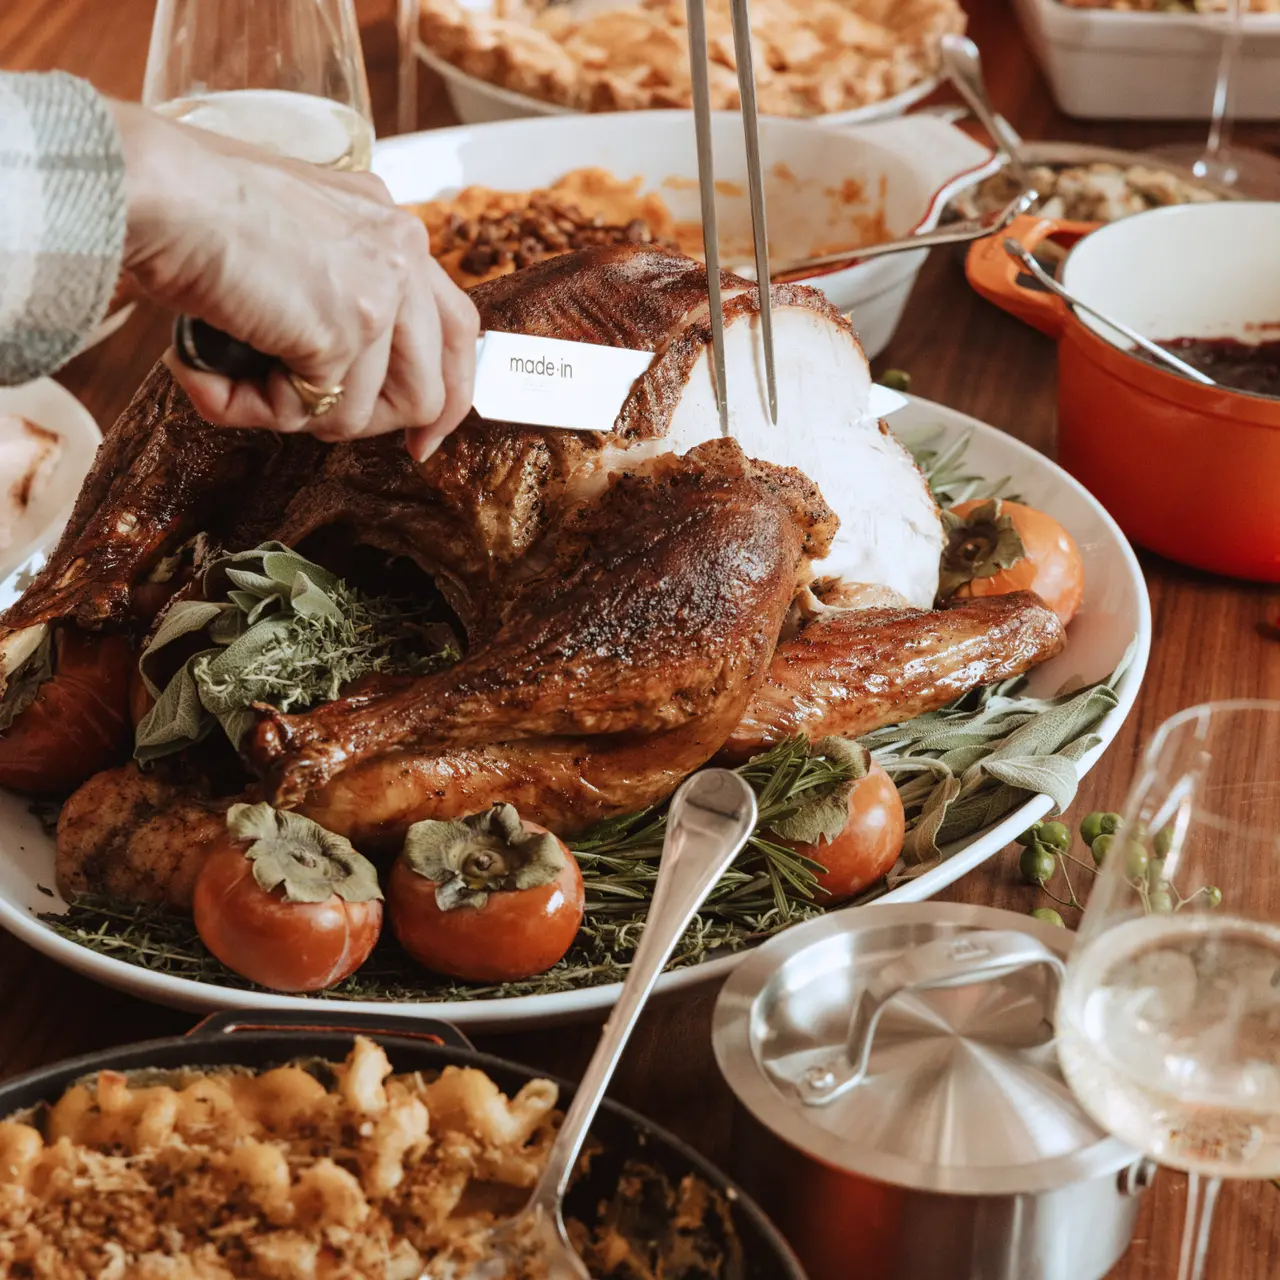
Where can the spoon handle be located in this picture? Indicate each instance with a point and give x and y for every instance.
(1156, 352)
(963, 65)
(954, 233)
(711, 816)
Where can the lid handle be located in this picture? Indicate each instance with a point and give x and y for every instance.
(980, 955)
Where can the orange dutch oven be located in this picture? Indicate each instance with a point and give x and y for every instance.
(1190, 471)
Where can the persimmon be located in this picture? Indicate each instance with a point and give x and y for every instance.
(488, 898)
(996, 546)
(286, 903)
(854, 833)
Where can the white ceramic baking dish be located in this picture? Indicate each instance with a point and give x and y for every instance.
(817, 181)
(1115, 64)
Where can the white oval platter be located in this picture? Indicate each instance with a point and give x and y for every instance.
(1115, 611)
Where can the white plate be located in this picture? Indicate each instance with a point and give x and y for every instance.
(476, 101)
(906, 169)
(54, 408)
(1115, 610)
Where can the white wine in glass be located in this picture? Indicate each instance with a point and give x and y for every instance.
(285, 75)
(1169, 1020)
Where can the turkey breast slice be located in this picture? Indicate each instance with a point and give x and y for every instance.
(890, 532)
(645, 298)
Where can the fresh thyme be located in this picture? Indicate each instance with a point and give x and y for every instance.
(271, 627)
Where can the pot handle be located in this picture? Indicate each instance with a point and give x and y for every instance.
(231, 1021)
(999, 279)
(978, 956)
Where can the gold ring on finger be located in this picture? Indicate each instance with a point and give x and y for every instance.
(317, 401)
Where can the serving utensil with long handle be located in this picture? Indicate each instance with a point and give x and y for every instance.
(957, 233)
(710, 819)
(1024, 255)
(755, 185)
(696, 12)
(963, 65)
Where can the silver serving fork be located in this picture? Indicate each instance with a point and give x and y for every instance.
(697, 19)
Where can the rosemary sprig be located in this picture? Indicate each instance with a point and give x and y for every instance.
(947, 477)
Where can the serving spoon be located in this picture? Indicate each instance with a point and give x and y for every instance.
(1022, 254)
(963, 65)
(989, 224)
(711, 816)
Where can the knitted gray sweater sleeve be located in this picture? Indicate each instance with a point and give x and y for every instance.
(62, 219)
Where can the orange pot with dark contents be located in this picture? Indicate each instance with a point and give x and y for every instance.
(1188, 470)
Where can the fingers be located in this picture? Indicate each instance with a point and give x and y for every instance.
(219, 400)
(341, 287)
(359, 412)
(459, 329)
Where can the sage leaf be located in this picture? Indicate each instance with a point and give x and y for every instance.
(980, 809)
(184, 618)
(921, 843)
(254, 586)
(1052, 776)
(278, 630)
(309, 601)
(284, 566)
(177, 720)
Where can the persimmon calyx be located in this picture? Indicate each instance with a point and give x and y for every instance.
(489, 852)
(299, 857)
(823, 814)
(979, 545)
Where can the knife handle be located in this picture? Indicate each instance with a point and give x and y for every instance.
(208, 350)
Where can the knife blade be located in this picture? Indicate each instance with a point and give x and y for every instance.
(537, 382)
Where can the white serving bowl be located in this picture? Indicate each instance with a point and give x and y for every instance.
(476, 101)
(908, 168)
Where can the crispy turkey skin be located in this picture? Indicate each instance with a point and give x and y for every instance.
(622, 594)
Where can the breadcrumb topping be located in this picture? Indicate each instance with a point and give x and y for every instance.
(276, 1176)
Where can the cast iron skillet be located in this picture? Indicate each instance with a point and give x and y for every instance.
(231, 1039)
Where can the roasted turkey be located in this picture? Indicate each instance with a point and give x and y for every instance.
(634, 603)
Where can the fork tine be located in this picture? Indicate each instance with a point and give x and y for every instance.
(755, 182)
(697, 19)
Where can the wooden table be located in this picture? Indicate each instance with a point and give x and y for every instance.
(961, 352)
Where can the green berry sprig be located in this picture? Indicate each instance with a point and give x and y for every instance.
(1046, 850)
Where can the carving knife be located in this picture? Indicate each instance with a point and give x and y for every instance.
(537, 382)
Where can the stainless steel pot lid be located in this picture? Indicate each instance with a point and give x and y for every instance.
(913, 1044)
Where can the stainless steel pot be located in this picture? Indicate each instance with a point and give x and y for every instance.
(902, 1116)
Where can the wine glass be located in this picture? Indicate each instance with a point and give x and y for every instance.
(286, 75)
(1169, 1019)
(1255, 172)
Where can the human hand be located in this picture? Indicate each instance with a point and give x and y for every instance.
(314, 267)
